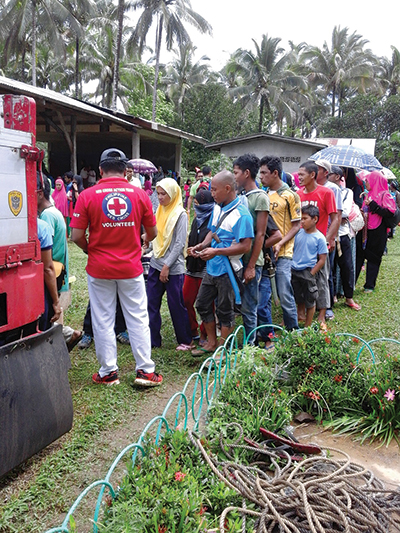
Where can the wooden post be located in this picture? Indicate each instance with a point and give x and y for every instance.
(135, 145)
(73, 143)
(178, 157)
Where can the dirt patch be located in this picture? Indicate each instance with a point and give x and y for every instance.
(384, 462)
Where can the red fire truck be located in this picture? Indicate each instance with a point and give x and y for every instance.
(35, 398)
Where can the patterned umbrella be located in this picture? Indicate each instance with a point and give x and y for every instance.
(348, 156)
(143, 166)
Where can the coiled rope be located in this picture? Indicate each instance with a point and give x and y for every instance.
(316, 495)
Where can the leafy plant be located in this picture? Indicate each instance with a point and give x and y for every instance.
(170, 489)
(251, 396)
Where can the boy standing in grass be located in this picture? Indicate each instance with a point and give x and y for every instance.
(309, 256)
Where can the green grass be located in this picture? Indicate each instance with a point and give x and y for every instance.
(35, 495)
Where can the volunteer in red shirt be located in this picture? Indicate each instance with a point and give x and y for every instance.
(114, 211)
(322, 197)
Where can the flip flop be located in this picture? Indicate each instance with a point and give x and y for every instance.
(354, 306)
(201, 351)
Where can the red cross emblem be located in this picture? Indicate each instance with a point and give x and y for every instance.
(117, 207)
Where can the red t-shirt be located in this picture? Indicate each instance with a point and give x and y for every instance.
(114, 210)
(324, 199)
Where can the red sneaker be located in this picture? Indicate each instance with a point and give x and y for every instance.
(148, 379)
(109, 379)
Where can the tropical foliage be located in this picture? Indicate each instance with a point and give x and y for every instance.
(94, 50)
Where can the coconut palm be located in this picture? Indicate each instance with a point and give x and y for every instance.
(170, 16)
(343, 68)
(390, 72)
(268, 81)
(83, 11)
(182, 74)
(39, 17)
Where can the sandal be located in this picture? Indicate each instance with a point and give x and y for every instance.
(184, 348)
(201, 351)
(354, 306)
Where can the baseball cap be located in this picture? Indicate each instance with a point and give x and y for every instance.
(324, 164)
(336, 170)
(113, 155)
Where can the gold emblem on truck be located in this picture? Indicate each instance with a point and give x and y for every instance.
(15, 202)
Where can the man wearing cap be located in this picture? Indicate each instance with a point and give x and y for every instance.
(114, 210)
(324, 170)
(343, 256)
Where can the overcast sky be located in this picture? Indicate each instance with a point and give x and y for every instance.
(236, 22)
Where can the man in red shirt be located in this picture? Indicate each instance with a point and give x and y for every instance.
(313, 194)
(114, 210)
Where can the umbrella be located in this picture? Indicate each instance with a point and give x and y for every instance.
(142, 165)
(388, 174)
(347, 156)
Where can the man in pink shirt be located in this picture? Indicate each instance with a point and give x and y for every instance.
(114, 211)
(322, 197)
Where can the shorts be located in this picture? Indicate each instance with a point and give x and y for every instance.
(219, 288)
(324, 297)
(304, 287)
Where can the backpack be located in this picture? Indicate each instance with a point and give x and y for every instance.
(392, 219)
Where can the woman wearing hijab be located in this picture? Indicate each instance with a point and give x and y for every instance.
(60, 198)
(377, 204)
(167, 267)
(196, 267)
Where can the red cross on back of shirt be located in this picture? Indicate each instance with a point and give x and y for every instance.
(117, 207)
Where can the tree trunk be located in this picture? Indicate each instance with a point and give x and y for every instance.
(261, 116)
(34, 43)
(333, 101)
(157, 69)
(121, 6)
(23, 64)
(77, 67)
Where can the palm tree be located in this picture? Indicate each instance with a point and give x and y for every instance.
(169, 16)
(268, 80)
(83, 11)
(121, 9)
(182, 75)
(343, 68)
(390, 72)
(37, 16)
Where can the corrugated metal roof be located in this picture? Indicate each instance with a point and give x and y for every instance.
(7, 84)
(122, 119)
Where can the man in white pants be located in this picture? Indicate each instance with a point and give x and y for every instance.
(114, 210)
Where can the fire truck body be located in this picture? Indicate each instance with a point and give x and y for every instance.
(35, 398)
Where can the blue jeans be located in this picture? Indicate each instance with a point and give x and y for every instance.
(264, 309)
(283, 276)
(250, 304)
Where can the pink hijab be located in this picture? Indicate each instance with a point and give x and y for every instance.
(60, 198)
(380, 193)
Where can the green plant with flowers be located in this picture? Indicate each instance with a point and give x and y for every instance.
(378, 416)
(252, 396)
(171, 489)
(323, 377)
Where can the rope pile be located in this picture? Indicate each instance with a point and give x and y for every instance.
(316, 495)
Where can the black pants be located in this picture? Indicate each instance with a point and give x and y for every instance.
(373, 252)
(119, 327)
(345, 263)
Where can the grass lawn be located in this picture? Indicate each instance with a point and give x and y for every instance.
(35, 496)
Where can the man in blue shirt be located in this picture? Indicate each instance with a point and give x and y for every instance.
(230, 236)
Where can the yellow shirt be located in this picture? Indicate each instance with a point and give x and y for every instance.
(285, 208)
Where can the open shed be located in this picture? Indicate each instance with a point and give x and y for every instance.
(77, 132)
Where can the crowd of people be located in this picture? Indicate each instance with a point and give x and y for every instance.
(258, 234)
